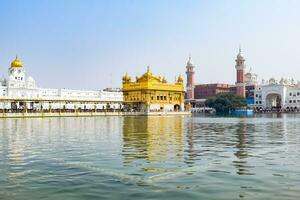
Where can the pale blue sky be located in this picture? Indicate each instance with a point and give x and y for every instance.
(79, 43)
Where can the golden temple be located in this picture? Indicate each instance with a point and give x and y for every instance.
(151, 93)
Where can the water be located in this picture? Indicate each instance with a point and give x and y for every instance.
(150, 158)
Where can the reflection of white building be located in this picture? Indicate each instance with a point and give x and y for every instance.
(19, 91)
(280, 94)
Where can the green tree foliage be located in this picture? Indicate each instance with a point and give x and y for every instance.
(226, 102)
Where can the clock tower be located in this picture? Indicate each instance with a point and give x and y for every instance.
(190, 84)
(240, 74)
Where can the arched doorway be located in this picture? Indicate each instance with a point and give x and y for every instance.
(176, 107)
(273, 101)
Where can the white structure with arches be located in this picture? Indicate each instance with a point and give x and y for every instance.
(17, 92)
(283, 94)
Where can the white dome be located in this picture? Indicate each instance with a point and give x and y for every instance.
(189, 62)
(251, 78)
(240, 56)
(30, 82)
(3, 81)
(251, 74)
(30, 79)
(272, 81)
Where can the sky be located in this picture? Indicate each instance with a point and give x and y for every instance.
(91, 44)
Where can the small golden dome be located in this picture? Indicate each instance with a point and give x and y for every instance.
(180, 79)
(126, 78)
(164, 80)
(16, 63)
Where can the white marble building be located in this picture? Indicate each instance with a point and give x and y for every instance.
(283, 94)
(250, 78)
(19, 92)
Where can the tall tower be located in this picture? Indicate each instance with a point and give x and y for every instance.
(240, 74)
(190, 84)
(16, 74)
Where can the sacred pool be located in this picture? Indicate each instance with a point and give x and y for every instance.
(157, 157)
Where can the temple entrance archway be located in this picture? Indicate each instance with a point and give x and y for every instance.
(176, 107)
(273, 100)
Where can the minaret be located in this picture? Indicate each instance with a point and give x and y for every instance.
(190, 84)
(240, 74)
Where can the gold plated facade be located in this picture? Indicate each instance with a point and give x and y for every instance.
(153, 93)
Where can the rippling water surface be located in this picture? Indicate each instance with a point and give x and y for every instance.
(150, 158)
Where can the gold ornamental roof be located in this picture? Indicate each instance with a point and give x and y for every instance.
(148, 81)
(148, 76)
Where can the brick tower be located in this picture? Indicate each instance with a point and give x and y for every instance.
(190, 84)
(240, 74)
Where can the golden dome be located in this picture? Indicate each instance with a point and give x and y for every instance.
(180, 79)
(164, 80)
(126, 78)
(16, 63)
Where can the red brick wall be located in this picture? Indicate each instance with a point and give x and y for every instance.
(204, 91)
(240, 90)
(240, 76)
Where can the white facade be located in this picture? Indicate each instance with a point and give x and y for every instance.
(166, 107)
(250, 78)
(284, 94)
(17, 87)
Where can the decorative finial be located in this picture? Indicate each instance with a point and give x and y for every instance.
(240, 49)
(189, 62)
(148, 68)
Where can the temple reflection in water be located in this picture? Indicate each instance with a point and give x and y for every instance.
(156, 139)
(244, 145)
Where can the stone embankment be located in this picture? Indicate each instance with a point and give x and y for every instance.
(86, 114)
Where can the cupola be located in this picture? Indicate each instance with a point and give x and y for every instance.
(16, 63)
(164, 80)
(180, 79)
(126, 78)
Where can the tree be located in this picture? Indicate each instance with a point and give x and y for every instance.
(226, 102)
